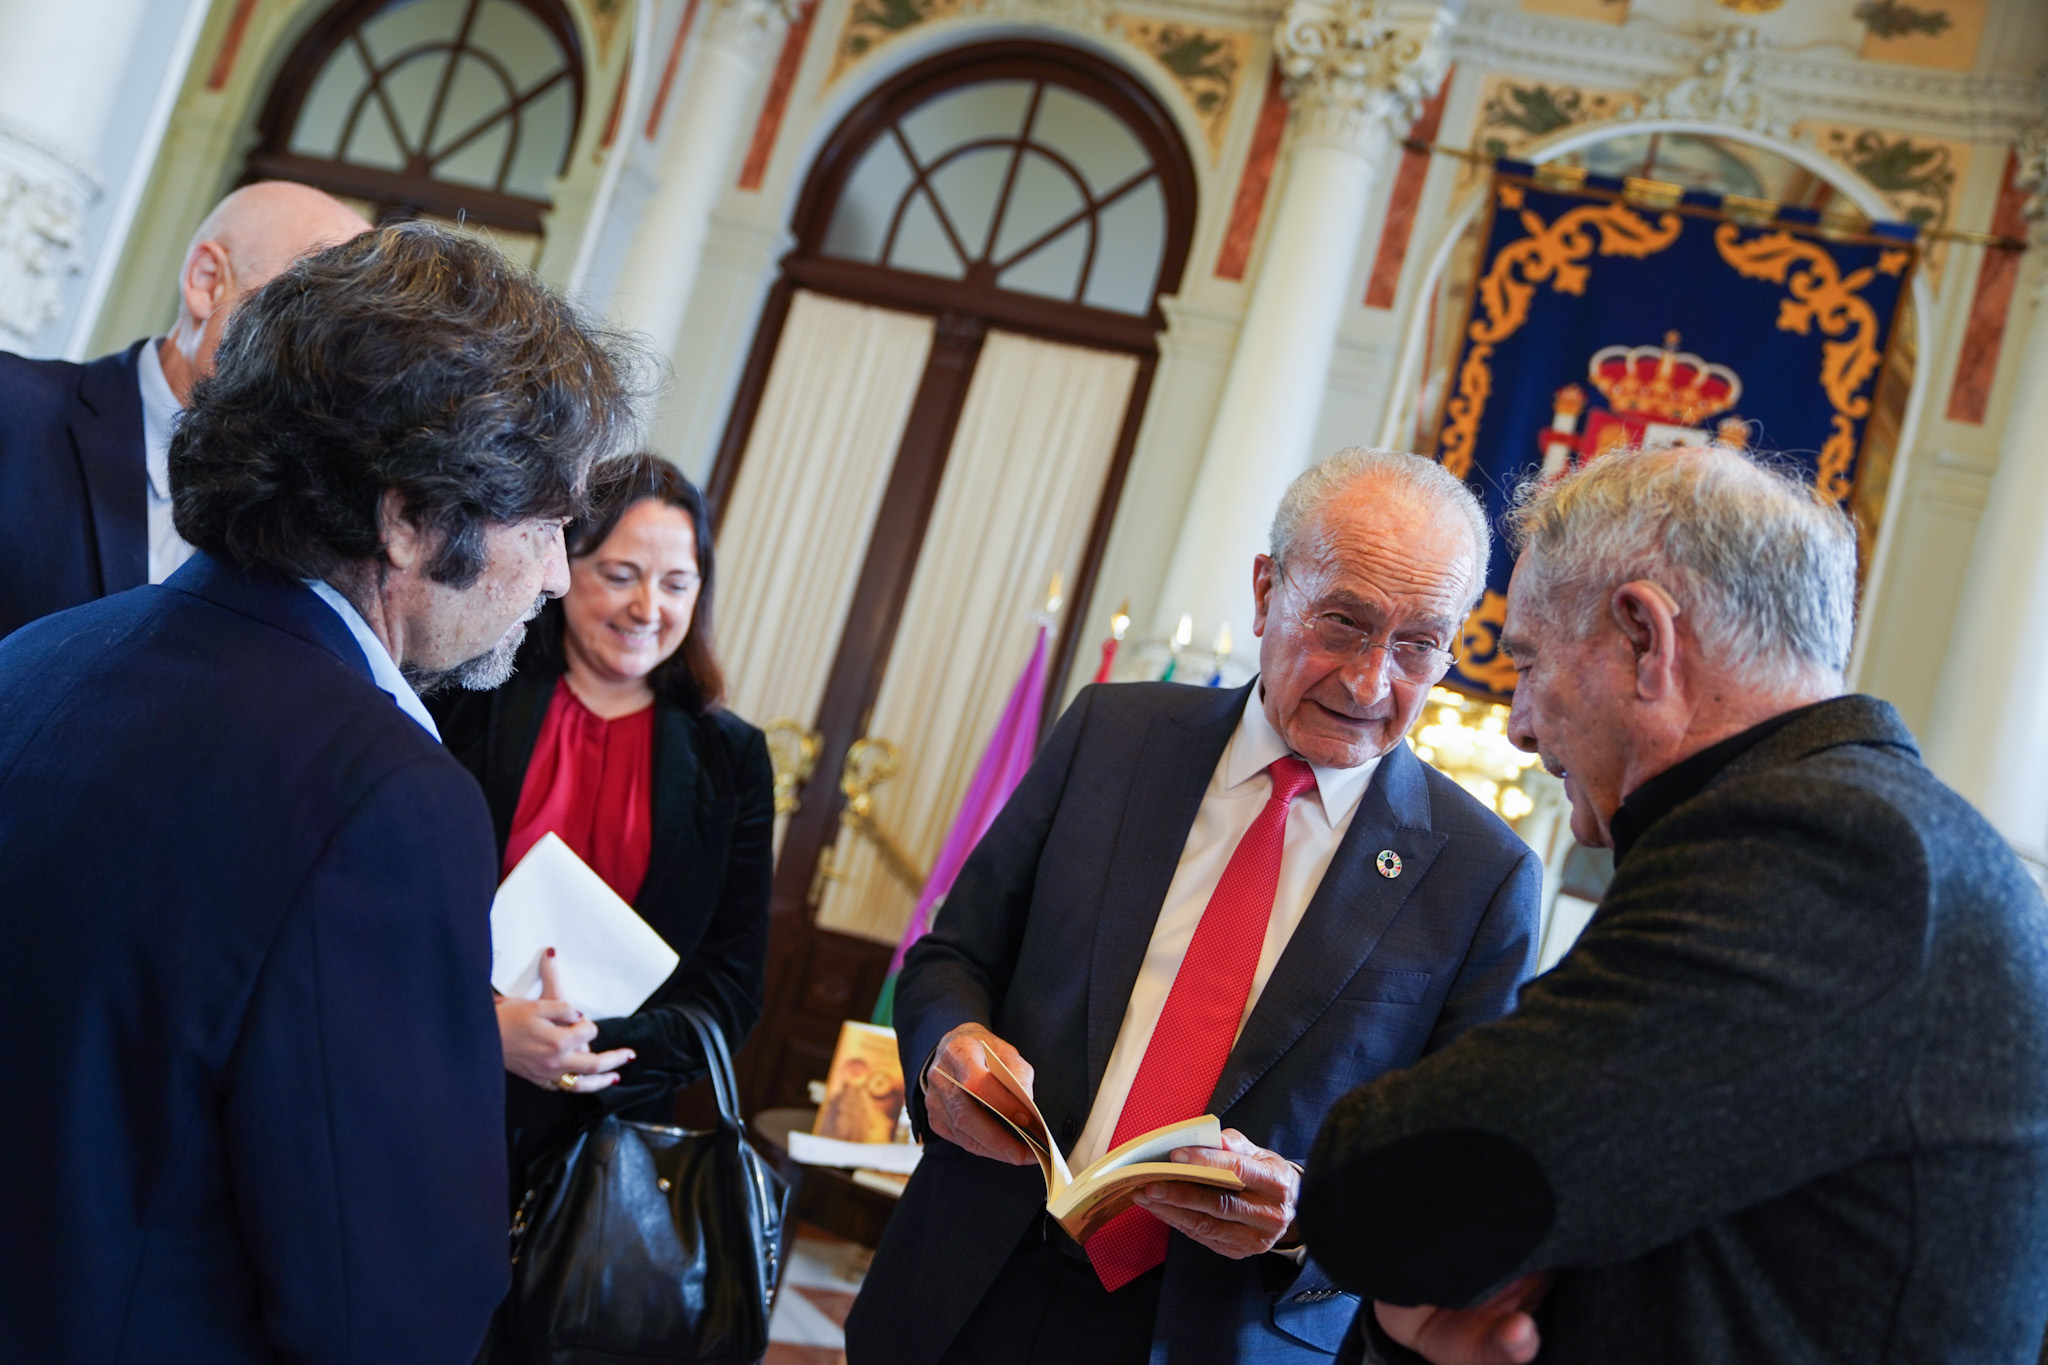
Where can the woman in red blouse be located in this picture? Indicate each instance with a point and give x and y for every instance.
(611, 735)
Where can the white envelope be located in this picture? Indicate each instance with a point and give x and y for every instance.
(607, 959)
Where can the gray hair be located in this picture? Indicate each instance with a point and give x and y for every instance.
(1314, 489)
(1764, 565)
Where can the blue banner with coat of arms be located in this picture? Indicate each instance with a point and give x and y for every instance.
(1599, 322)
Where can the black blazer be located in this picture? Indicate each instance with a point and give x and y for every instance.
(1043, 935)
(1786, 1100)
(73, 481)
(247, 901)
(706, 891)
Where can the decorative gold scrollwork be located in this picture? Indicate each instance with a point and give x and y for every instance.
(1479, 656)
(869, 763)
(1553, 252)
(1821, 295)
(793, 752)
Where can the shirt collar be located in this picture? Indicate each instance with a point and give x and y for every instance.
(383, 669)
(1685, 779)
(159, 415)
(1256, 745)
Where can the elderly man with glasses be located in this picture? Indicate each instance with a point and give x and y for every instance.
(1786, 1099)
(1239, 903)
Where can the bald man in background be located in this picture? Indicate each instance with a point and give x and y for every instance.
(85, 493)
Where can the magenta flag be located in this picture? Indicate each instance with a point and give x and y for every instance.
(1003, 766)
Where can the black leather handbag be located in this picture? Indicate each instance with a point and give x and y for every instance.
(638, 1242)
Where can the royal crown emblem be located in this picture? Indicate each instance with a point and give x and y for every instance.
(1656, 396)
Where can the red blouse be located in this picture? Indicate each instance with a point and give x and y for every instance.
(591, 781)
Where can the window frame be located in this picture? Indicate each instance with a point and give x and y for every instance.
(410, 192)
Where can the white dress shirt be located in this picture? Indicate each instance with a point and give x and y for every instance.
(1316, 822)
(167, 549)
(383, 668)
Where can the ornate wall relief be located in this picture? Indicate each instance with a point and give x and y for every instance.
(1599, 11)
(1937, 33)
(604, 22)
(871, 23)
(1208, 64)
(1919, 177)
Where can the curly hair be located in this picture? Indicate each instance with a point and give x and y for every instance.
(414, 359)
(692, 678)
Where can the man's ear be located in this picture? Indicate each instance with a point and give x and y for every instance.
(1648, 618)
(208, 283)
(1265, 574)
(404, 543)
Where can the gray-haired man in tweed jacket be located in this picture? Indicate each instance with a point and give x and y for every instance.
(1787, 1099)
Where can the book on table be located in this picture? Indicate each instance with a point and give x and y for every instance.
(1081, 1202)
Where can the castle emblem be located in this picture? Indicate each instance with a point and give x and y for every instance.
(1656, 396)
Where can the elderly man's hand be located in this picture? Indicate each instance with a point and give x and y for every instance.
(1497, 1332)
(1233, 1223)
(962, 1056)
(547, 1041)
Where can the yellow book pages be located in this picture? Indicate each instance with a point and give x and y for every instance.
(1084, 1206)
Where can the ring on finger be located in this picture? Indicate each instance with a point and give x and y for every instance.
(567, 1080)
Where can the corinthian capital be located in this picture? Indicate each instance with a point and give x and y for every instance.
(752, 25)
(2031, 175)
(1352, 65)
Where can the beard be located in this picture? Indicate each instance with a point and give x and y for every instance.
(483, 673)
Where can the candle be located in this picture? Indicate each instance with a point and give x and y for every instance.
(1182, 633)
(1118, 624)
(1222, 652)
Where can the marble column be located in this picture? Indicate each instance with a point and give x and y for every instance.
(708, 130)
(1989, 735)
(1356, 70)
(61, 68)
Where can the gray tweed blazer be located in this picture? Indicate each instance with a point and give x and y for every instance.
(1785, 1101)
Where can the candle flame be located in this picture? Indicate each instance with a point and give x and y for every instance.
(1120, 622)
(1223, 642)
(1183, 632)
(1054, 596)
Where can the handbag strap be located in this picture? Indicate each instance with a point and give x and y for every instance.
(718, 1058)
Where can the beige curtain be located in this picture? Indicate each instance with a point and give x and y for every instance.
(1020, 489)
(796, 532)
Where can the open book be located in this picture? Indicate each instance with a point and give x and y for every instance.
(1083, 1203)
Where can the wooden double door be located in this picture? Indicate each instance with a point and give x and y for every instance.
(935, 421)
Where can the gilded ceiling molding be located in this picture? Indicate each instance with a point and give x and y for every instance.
(1353, 66)
(751, 25)
(1806, 84)
(1721, 88)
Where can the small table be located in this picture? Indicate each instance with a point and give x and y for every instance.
(826, 1197)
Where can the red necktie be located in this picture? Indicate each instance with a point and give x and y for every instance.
(1198, 1027)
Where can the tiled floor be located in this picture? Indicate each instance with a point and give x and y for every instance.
(824, 1275)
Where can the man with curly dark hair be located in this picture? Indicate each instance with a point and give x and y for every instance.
(253, 887)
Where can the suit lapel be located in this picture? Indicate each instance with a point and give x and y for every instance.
(517, 710)
(679, 839)
(106, 431)
(1345, 918)
(1172, 775)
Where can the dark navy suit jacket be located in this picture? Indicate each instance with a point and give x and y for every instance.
(1042, 937)
(257, 1103)
(73, 510)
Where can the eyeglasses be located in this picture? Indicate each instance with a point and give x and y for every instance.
(1411, 660)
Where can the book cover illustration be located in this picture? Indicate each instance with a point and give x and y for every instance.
(864, 1088)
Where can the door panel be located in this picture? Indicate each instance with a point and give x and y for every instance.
(1022, 481)
(796, 532)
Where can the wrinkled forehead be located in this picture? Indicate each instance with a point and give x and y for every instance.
(1395, 553)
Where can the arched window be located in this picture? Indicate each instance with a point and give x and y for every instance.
(1038, 189)
(448, 108)
(1025, 185)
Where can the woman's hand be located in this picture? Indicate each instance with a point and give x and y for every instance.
(547, 1041)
